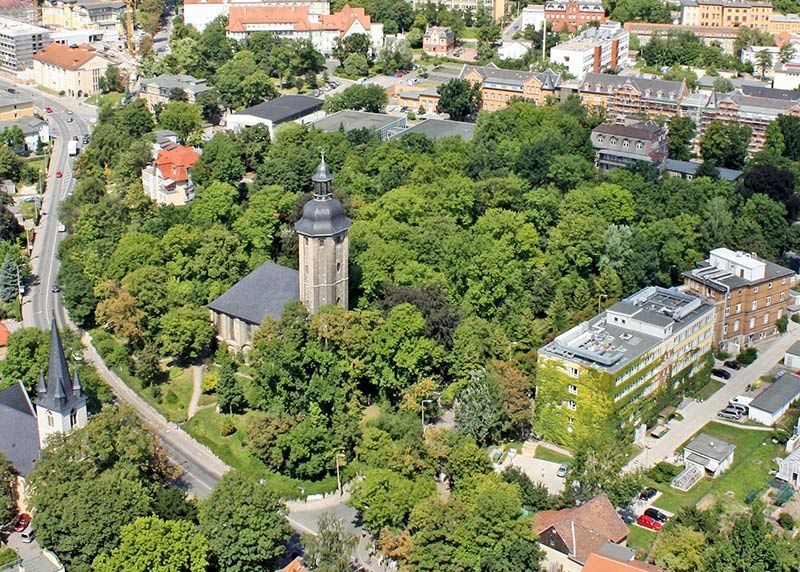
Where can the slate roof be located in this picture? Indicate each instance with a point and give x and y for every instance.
(29, 125)
(284, 108)
(323, 215)
(705, 445)
(264, 292)
(59, 393)
(646, 130)
(783, 392)
(641, 84)
(492, 74)
(769, 92)
(19, 434)
(691, 168)
(438, 128)
(794, 349)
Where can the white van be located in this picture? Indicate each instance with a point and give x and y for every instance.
(28, 534)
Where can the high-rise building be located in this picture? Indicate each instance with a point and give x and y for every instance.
(593, 50)
(18, 42)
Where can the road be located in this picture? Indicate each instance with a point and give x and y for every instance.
(697, 414)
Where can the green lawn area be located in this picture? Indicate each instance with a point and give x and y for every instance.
(171, 398)
(112, 98)
(547, 454)
(709, 389)
(47, 90)
(469, 33)
(753, 459)
(28, 211)
(641, 540)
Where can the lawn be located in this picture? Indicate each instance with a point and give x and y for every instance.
(641, 540)
(112, 98)
(709, 389)
(752, 461)
(469, 33)
(170, 398)
(28, 211)
(547, 454)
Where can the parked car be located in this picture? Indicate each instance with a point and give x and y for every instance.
(733, 364)
(59, 174)
(648, 494)
(55, 289)
(648, 522)
(12, 90)
(69, 120)
(69, 112)
(22, 523)
(729, 414)
(562, 471)
(656, 514)
(28, 534)
(743, 409)
(779, 374)
(627, 515)
(85, 139)
(721, 373)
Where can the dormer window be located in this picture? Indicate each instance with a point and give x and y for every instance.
(625, 143)
(660, 93)
(613, 140)
(639, 145)
(601, 138)
(647, 92)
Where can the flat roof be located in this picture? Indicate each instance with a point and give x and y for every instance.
(780, 394)
(349, 120)
(283, 108)
(794, 349)
(11, 99)
(691, 168)
(16, 28)
(710, 447)
(716, 278)
(439, 128)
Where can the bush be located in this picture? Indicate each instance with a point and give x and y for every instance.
(782, 324)
(210, 382)
(748, 356)
(781, 435)
(663, 473)
(786, 521)
(170, 398)
(720, 355)
(228, 427)
(796, 318)
(7, 556)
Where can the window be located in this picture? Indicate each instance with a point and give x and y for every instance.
(755, 305)
(639, 145)
(725, 330)
(755, 290)
(572, 405)
(625, 143)
(727, 311)
(573, 389)
(769, 300)
(613, 140)
(601, 138)
(73, 418)
(752, 323)
(766, 318)
(738, 308)
(49, 418)
(736, 325)
(572, 371)
(769, 286)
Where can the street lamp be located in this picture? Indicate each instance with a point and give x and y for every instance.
(600, 297)
(338, 478)
(424, 401)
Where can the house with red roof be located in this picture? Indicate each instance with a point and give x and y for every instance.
(167, 180)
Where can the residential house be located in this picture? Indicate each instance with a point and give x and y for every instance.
(18, 42)
(709, 455)
(570, 535)
(161, 89)
(774, 401)
(754, 112)
(35, 130)
(499, 86)
(624, 97)
(570, 15)
(296, 565)
(438, 41)
(200, 13)
(725, 38)
(440, 128)
(297, 21)
(283, 109)
(414, 100)
(15, 105)
(84, 14)
(688, 170)
(750, 55)
(786, 76)
(381, 124)
(514, 49)
(619, 145)
(600, 562)
(593, 50)
(650, 341)
(20, 10)
(726, 13)
(167, 180)
(533, 17)
(791, 358)
(750, 294)
(74, 71)
(789, 469)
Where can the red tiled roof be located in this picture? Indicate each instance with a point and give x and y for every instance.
(174, 163)
(3, 335)
(8, 4)
(296, 565)
(600, 563)
(240, 16)
(64, 56)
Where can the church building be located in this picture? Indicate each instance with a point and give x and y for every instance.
(323, 277)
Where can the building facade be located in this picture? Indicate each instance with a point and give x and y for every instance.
(726, 13)
(749, 295)
(35, 131)
(15, 105)
(607, 373)
(784, 23)
(593, 50)
(533, 17)
(200, 13)
(497, 8)
(159, 90)
(725, 38)
(624, 97)
(74, 71)
(499, 86)
(570, 15)
(84, 14)
(20, 10)
(18, 43)
(617, 145)
(438, 41)
(167, 180)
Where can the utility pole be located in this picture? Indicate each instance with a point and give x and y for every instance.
(338, 478)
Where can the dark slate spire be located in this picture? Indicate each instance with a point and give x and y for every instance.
(77, 390)
(59, 394)
(41, 388)
(323, 215)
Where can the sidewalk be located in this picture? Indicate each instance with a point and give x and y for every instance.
(697, 414)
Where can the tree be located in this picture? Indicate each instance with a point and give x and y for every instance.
(681, 133)
(185, 332)
(14, 138)
(331, 549)
(10, 164)
(352, 44)
(215, 204)
(393, 57)
(763, 61)
(150, 544)
(725, 144)
(385, 498)
(370, 98)
(786, 53)
(459, 98)
(534, 497)
(209, 103)
(221, 161)
(478, 409)
(356, 65)
(134, 119)
(26, 357)
(640, 11)
(241, 83)
(9, 288)
(254, 142)
(245, 524)
(230, 398)
(112, 80)
(680, 549)
(8, 480)
(181, 117)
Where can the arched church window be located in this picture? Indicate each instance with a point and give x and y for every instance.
(49, 418)
(73, 418)
(338, 267)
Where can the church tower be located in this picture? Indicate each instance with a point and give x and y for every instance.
(61, 404)
(324, 246)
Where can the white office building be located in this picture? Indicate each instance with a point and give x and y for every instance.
(18, 43)
(533, 17)
(594, 50)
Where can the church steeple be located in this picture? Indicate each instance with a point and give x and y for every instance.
(323, 245)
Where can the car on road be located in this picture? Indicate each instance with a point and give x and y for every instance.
(721, 373)
(12, 90)
(48, 109)
(562, 470)
(22, 523)
(70, 120)
(62, 228)
(648, 494)
(28, 535)
(69, 112)
(59, 174)
(730, 414)
(656, 514)
(399, 73)
(55, 289)
(85, 139)
(648, 522)
(733, 364)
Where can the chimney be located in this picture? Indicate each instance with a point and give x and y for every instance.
(598, 51)
(614, 53)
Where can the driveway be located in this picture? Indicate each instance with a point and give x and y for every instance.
(697, 414)
(540, 471)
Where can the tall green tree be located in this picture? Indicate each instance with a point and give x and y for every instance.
(459, 98)
(180, 117)
(8, 278)
(725, 144)
(681, 133)
(331, 549)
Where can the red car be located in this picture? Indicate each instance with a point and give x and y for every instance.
(22, 522)
(48, 109)
(648, 522)
(400, 73)
(59, 174)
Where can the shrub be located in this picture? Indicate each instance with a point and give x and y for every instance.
(210, 382)
(170, 398)
(781, 435)
(228, 427)
(663, 473)
(7, 556)
(782, 324)
(786, 521)
(748, 356)
(796, 318)
(720, 355)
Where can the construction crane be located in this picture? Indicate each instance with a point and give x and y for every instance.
(129, 26)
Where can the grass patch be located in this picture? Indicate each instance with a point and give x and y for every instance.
(112, 99)
(28, 211)
(641, 540)
(205, 427)
(170, 398)
(547, 454)
(752, 461)
(48, 90)
(709, 389)
(469, 33)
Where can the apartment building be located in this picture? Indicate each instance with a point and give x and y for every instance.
(84, 14)
(74, 71)
(605, 374)
(570, 15)
(786, 76)
(200, 13)
(533, 17)
(20, 10)
(438, 41)
(618, 145)
(167, 180)
(749, 295)
(780, 23)
(726, 13)
(160, 89)
(623, 97)
(725, 38)
(499, 86)
(18, 42)
(14, 106)
(593, 50)
(497, 8)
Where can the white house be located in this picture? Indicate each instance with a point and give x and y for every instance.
(514, 49)
(167, 180)
(533, 17)
(34, 129)
(791, 358)
(298, 108)
(708, 454)
(770, 405)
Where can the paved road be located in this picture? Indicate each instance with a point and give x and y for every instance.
(697, 414)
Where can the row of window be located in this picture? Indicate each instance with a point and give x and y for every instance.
(625, 142)
(754, 305)
(751, 322)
